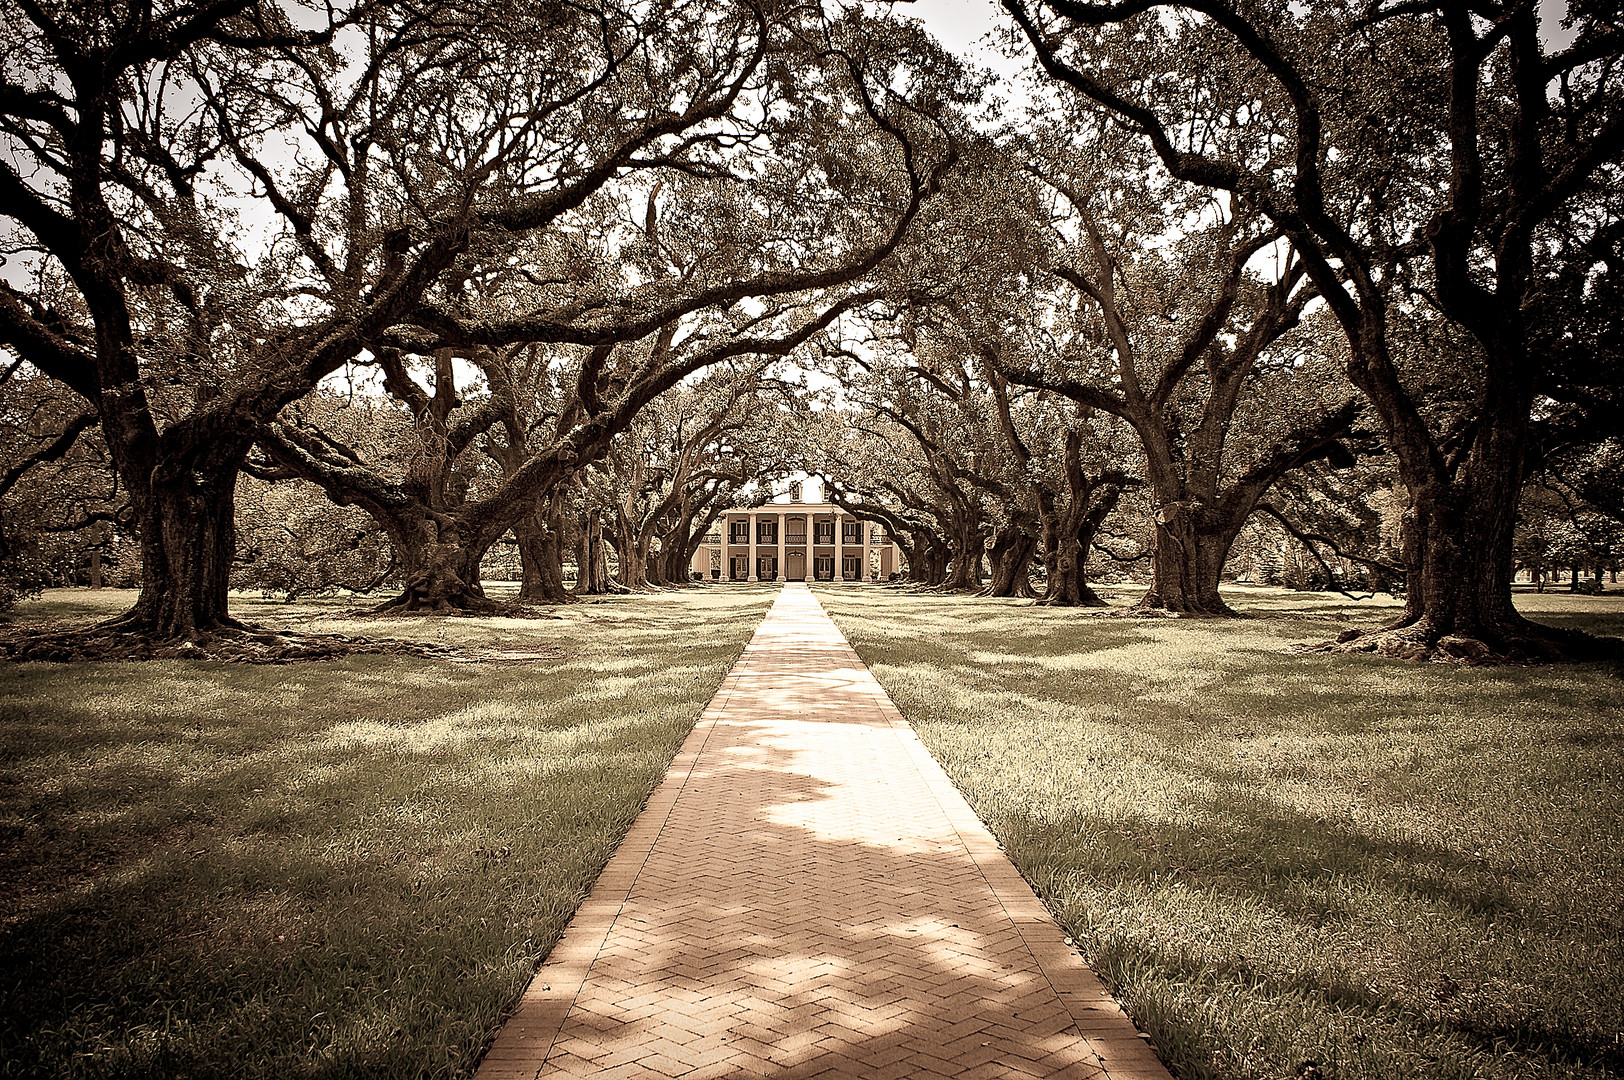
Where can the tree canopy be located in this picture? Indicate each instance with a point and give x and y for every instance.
(547, 279)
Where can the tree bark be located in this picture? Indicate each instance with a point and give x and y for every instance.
(1068, 586)
(1187, 564)
(1459, 558)
(187, 544)
(675, 556)
(1073, 539)
(1068, 535)
(930, 565)
(541, 558)
(441, 570)
(591, 561)
(1011, 556)
(965, 563)
(631, 546)
(684, 541)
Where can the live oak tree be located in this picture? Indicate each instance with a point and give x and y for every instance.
(714, 266)
(1136, 299)
(1075, 479)
(928, 406)
(420, 475)
(534, 399)
(988, 466)
(1196, 341)
(685, 461)
(749, 455)
(1414, 153)
(225, 208)
(872, 469)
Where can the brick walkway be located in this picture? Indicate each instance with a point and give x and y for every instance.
(807, 895)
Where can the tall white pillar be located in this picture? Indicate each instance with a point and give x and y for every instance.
(751, 537)
(840, 549)
(780, 547)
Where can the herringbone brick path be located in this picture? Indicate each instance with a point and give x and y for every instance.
(807, 895)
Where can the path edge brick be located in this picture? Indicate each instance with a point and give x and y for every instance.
(527, 1036)
(1120, 1048)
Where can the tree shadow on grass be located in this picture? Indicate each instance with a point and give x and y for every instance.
(339, 871)
(1255, 863)
(367, 920)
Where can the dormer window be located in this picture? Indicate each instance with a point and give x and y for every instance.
(795, 492)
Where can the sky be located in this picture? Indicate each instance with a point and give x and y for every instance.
(964, 28)
(959, 24)
(955, 23)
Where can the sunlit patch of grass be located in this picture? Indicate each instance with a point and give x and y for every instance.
(323, 869)
(1393, 870)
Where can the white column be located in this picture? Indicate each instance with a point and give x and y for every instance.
(751, 537)
(840, 548)
(782, 547)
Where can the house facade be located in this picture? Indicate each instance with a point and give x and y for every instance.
(791, 540)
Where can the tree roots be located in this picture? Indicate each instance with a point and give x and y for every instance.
(482, 609)
(1141, 611)
(239, 645)
(1535, 645)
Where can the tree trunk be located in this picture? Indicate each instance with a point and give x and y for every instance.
(1186, 564)
(1090, 503)
(684, 541)
(188, 539)
(930, 567)
(1458, 601)
(541, 558)
(591, 561)
(1458, 550)
(1011, 556)
(677, 549)
(964, 570)
(1068, 585)
(441, 571)
(654, 567)
(633, 553)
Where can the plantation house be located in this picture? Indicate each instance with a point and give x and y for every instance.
(788, 539)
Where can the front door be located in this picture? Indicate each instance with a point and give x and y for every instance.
(795, 566)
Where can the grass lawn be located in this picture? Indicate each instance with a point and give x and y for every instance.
(1390, 870)
(342, 868)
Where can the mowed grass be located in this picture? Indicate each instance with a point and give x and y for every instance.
(332, 869)
(1387, 869)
